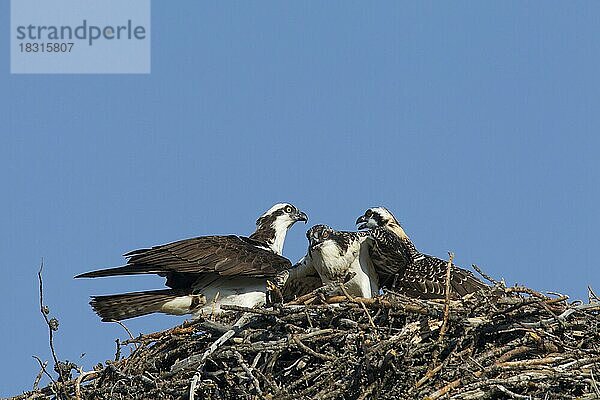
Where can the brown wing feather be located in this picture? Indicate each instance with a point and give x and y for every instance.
(388, 254)
(297, 287)
(401, 266)
(426, 278)
(225, 255)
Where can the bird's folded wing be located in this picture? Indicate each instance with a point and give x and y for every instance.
(426, 278)
(302, 279)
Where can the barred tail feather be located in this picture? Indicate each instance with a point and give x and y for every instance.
(129, 305)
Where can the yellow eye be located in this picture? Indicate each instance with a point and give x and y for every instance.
(325, 235)
(288, 209)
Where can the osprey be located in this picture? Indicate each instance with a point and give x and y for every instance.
(204, 272)
(402, 267)
(332, 255)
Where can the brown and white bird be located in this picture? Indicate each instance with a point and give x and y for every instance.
(204, 272)
(403, 268)
(331, 257)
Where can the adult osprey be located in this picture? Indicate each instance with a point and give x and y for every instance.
(205, 272)
(402, 267)
(333, 255)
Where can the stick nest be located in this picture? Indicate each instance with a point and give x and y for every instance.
(512, 343)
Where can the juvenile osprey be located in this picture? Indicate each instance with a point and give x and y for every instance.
(204, 272)
(402, 267)
(331, 256)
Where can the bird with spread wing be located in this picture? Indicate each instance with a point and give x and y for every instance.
(204, 272)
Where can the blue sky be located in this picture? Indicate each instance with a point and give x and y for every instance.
(477, 123)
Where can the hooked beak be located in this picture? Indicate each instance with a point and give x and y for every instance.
(300, 216)
(314, 243)
(362, 222)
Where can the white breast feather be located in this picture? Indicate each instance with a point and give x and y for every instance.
(330, 265)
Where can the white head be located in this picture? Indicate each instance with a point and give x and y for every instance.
(272, 226)
(380, 217)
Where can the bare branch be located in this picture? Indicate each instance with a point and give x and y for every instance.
(51, 323)
(448, 293)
